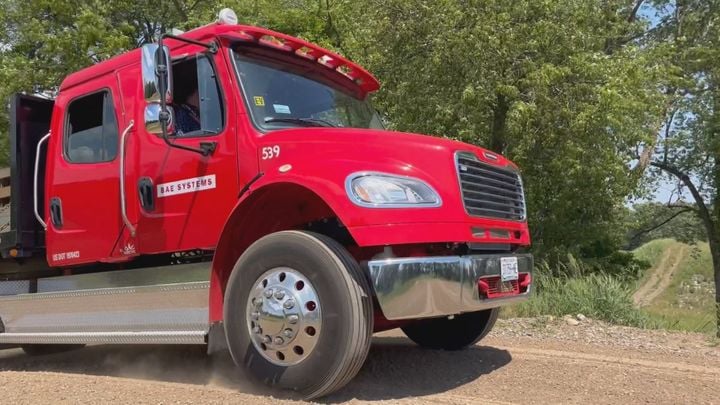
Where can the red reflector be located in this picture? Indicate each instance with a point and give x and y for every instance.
(493, 287)
(525, 281)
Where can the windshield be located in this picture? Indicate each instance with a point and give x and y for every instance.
(281, 95)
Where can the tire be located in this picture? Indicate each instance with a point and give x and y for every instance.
(452, 334)
(44, 349)
(333, 354)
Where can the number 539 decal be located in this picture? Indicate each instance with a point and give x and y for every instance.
(270, 152)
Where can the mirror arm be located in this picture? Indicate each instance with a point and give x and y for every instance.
(212, 46)
(164, 117)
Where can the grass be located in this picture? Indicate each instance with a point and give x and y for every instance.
(652, 252)
(678, 308)
(604, 297)
(596, 295)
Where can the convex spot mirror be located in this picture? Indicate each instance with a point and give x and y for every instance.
(152, 119)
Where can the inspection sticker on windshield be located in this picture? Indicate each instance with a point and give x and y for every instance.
(259, 101)
(508, 268)
(281, 109)
(186, 186)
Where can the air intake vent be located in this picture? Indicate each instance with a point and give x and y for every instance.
(489, 191)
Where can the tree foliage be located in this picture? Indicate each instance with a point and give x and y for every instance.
(653, 220)
(688, 149)
(566, 89)
(563, 88)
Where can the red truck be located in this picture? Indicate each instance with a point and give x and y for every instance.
(233, 187)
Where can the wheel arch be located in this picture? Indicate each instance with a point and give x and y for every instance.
(272, 207)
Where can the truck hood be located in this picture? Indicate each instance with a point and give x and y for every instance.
(324, 158)
(379, 145)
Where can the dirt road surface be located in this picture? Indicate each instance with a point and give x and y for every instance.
(522, 362)
(660, 276)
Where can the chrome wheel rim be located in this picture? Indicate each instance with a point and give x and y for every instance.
(283, 316)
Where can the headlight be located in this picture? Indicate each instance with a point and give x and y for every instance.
(388, 191)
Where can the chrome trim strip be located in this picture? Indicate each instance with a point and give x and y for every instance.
(351, 195)
(425, 287)
(123, 203)
(148, 276)
(152, 337)
(35, 181)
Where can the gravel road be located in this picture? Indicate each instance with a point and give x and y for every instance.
(523, 361)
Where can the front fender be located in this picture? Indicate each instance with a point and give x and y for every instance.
(270, 204)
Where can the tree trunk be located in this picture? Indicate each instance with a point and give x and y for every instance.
(715, 253)
(710, 228)
(497, 132)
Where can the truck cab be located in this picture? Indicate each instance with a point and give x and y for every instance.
(233, 186)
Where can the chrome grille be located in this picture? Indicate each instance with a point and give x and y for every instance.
(489, 191)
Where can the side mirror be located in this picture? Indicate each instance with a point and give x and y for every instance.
(153, 80)
(152, 119)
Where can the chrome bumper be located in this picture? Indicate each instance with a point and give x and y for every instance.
(426, 287)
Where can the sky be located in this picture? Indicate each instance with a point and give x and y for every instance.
(666, 189)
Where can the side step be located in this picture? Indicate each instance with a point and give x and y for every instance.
(172, 313)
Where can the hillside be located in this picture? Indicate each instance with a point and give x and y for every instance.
(677, 291)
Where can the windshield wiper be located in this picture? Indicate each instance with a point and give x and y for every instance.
(308, 122)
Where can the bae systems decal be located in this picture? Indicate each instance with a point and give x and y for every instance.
(186, 186)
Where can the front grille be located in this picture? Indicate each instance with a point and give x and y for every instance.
(489, 191)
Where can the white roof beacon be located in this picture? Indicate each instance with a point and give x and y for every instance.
(227, 16)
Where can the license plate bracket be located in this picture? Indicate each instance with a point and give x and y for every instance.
(508, 268)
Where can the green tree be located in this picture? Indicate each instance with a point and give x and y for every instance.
(653, 220)
(566, 89)
(45, 40)
(688, 147)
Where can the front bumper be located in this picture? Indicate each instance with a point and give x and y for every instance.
(426, 287)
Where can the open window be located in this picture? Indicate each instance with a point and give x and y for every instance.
(197, 104)
(92, 131)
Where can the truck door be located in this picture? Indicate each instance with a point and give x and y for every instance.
(181, 198)
(82, 182)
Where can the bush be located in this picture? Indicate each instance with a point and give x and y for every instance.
(596, 295)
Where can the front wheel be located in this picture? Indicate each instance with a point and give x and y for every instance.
(298, 313)
(452, 334)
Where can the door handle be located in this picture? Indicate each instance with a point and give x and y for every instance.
(145, 192)
(56, 212)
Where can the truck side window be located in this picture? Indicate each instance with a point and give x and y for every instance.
(198, 108)
(92, 132)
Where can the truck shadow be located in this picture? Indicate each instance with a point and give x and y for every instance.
(395, 367)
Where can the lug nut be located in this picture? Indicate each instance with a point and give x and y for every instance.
(268, 293)
(266, 339)
(257, 330)
(288, 333)
(289, 304)
(279, 294)
(293, 319)
(278, 341)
